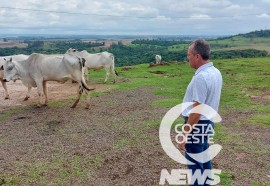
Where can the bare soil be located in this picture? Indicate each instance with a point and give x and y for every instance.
(113, 139)
(56, 92)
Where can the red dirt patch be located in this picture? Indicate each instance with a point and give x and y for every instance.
(56, 92)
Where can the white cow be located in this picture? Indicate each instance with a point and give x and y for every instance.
(158, 59)
(38, 69)
(96, 61)
(18, 57)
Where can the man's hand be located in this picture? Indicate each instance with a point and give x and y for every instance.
(182, 145)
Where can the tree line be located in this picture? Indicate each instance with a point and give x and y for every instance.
(159, 42)
(254, 34)
(131, 55)
(126, 55)
(230, 54)
(51, 47)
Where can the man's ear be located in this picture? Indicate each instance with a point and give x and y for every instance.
(2, 68)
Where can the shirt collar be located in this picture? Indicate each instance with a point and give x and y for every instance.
(209, 64)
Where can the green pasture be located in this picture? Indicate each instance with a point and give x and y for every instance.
(234, 43)
(242, 79)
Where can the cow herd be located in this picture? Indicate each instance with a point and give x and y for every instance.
(36, 69)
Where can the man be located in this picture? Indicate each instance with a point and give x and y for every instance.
(204, 88)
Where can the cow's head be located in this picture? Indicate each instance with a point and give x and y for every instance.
(9, 70)
(71, 50)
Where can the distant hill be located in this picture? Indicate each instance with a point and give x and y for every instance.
(253, 34)
(258, 40)
(257, 33)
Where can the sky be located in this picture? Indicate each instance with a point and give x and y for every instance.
(134, 17)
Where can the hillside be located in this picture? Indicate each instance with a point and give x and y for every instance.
(259, 40)
(257, 33)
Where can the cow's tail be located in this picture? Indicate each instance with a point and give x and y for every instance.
(113, 71)
(83, 83)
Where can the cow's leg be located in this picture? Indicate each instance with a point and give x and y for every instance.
(107, 73)
(45, 91)
(114, 74)
(5, 87)
(28, 94)
(87, 99)
(79, 91)
(40, 91)
(86, 74)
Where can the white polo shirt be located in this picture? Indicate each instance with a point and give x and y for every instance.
(205, 87)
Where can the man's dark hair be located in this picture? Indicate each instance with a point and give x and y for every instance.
(201, 47)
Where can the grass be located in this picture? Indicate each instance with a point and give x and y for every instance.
(222, 135)
(123, 142)
(56, 171)
(170, 82)
(261, 119)
(256, 183)
(56, 104)
(9, 113)
(226, 179)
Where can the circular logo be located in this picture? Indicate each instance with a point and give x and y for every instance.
(165, 133)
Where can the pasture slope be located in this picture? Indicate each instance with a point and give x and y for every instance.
(116, 141)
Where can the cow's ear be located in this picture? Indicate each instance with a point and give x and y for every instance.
(5, 59)
(11, 59)
(2, 68)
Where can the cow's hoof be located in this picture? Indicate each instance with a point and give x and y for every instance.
(73, 106)
(87, 106)
(7, 97)
(26, 98)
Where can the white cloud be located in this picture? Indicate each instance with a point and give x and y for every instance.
(200, 16)
(264, 15)
(133, 17)
(163, 18)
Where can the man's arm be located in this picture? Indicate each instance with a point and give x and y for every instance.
(192, 119)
